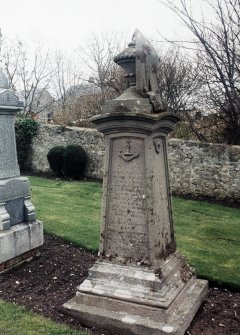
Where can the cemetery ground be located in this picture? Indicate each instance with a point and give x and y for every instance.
(207, 234)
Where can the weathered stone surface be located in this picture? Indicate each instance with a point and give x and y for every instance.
(15, 209)
(19, 230)
(126, 201)
(27, 256)
(140, 285)
(137, 284)
(20, 239)
(136, 209)
(15, 200)
(204, 169)
(129, 318)
(11, 189)
(4, 217)
(8, 163)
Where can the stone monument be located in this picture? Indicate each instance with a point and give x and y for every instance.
(20, 233)
(140, 284)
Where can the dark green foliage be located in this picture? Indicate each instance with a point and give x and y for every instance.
(69, 162)
(55, 160)
(25, 130)
(74, 161)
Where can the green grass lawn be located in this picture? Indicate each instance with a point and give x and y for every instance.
(208, 235)
(16, 320)
(69, 209)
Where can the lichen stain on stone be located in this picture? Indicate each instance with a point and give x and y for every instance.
(158, 272)
(186, 273)
(121, 109)
(165, 253)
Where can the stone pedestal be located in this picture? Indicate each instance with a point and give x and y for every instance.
(140, 284)
(19, 230)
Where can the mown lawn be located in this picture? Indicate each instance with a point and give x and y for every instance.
(16, 320)
(69, 209)
(208, 235)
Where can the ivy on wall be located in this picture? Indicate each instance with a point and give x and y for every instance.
(25, 130)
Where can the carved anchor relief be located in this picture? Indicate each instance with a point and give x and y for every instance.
(128, 155)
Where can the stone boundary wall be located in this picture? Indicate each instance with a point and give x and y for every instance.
(50, 136)
(205, 169)
(196, 169)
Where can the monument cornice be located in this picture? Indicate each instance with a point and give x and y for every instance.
(110, 123)
(10, 109)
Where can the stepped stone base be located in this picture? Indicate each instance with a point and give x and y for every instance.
(131, 300)
(27, 256)
(20, 239)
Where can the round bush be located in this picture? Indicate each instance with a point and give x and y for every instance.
(74, 161)
(55, 160)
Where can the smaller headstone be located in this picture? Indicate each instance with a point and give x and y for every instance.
(20, 232)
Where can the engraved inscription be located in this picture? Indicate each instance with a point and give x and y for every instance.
(126, 228)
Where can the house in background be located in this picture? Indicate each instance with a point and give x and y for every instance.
(39, 104)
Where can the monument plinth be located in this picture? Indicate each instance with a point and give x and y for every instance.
(20, 233)
(140, 284)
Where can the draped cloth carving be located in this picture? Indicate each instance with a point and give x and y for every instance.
(147, 64)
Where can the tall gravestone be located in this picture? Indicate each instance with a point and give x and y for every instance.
(20, 233)
(140, 284)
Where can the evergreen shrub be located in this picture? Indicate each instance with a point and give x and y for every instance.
(69, 161)
(55, 160)
(74, 161)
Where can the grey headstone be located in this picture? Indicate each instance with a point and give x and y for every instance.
(19, 230)
(15, 209)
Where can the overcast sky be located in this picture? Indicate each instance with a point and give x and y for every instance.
(66, 24)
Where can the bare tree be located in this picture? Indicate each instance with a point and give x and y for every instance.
(106, 76)
(179, 80)
(83, 106)
(78, 96)
(218, 49)
(28, 73)
(181, 87)
(65, 84)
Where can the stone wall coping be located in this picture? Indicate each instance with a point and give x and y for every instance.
(172, 141)
(202, 144)
(72, 128)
